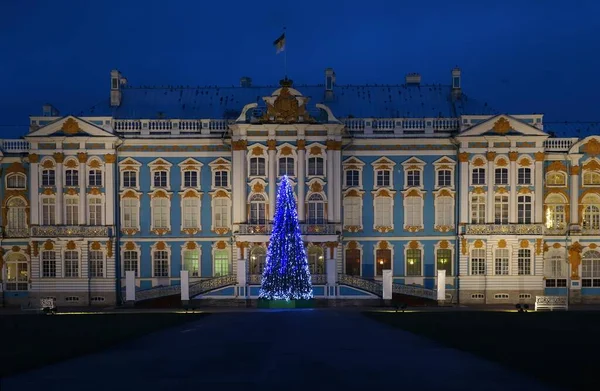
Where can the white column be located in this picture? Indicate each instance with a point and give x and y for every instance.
(60, 209)
(331, 204)
(539, 186)
(301, 178)
(82, 188)
(185, 285)
(34, 207)
(130, 285)
(110, 190)
(242, 285)
(463, 157)
(490, 218)
(238, 182)
(575, 195)
(272, 178)
(441, 285)
(337, 188)
(512, 180)
(387, 284)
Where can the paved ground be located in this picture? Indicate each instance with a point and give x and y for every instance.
(279, 350)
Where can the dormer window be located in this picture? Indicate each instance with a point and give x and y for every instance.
(383, 178)
(257, 166)
(160, 179)
(221, 179)
(413, 178)
(315, 166)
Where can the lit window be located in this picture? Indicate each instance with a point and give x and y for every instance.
(258, 257)
(17, 272)
(413, 262)
(444, 260)
(383, 259)
(191, 260)
(221, 263)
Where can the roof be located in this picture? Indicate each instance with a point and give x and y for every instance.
(360, 101)
(573, 129)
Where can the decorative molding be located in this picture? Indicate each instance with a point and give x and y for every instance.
(239, 145)
(513, 156)
(557, 166)
(539, 246)
(353, 228)
(110, 158)
(575, 259)
(478, 162)
(501, 126)
(315, 150)
(59, 157)
(48, 245)
(464, 246)
(574, 170)
(271, 145)
(501, 243)
(478, 243)
(82, 157)
(592, 147)
(334, 145)
(525, 162)
(539, 156)
(490, 156)
(463, 157)
(34, 158)
(221, 245)
(70, 127)
(501, 162)
(524, 243)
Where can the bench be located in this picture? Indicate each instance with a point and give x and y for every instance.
(551, 303)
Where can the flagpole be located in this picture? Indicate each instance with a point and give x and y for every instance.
(285, 54)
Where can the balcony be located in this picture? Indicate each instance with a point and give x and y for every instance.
(16, 233)
(70, 230)
(305, 228)
(505, 229)
(397, 127)
(170, 126)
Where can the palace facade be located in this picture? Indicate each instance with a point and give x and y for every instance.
(410, 178)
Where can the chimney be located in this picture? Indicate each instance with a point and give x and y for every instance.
(49, 111)
(116, 81)
(456, 82)
(246, 81)
(413, 79)
(329, 83)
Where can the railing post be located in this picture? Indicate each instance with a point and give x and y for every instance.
(387, 285)
(441, 286)
(130, 288)
(241, 287)
(331, 278)
(185, 287)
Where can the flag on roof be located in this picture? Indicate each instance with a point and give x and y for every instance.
(280, 43)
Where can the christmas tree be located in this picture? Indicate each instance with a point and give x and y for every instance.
(286, 275)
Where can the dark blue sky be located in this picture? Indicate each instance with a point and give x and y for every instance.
(527, 56)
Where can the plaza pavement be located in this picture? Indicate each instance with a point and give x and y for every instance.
(277, 350)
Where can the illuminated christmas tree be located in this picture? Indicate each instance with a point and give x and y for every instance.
(286, 275)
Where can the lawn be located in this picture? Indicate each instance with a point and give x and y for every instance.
(31, 341)
(558, 348)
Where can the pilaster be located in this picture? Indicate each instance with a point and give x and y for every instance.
(82, 193)
(489, 215)
(110, 190)
(301, 145)
(238, 182)
(512, 181)
(271, 144)
(60, 209)
(34, 196)
(539, 186)
(331, 204)
(463, 158)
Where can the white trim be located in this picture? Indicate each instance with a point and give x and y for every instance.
(420, 167)
(226, 166)
(160, 162)
(293, 156)
(213, 210)
(377, 194)
(308, 155)
(196, 166)
(228, 249)
(169, 228)
(383, 161)
(129, 162)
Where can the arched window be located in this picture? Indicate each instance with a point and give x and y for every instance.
(130, 213)
(555, 212)
(17, 218)
(286, 166)
(258, 257)
(17, 272)
(160, 213)
(316, 260)
(556, 178)
(590, 269)
(258, 209)
(257, 166)
(316, 209)
(591, 212)
(591, 178)
(16, 181)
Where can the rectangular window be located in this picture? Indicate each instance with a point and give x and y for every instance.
(160, 179)
(257, 166)
(96, 259)
(383, 212)
(71, 264)
(477, 209)
(353, 262)
(286, 166)
(413, 178)
(129, 179)
(72, 211)
(221, 179)
(221, 263)
(95, 178)
(315, 166)
(72, 178)
(95, 211)
(501, 262)
(383, 261)
(478, 177)
(478, 262)
(444, 178)
(524, 209)
(190, 178)
(130, 262)
(413, 262)
(352, 178)
(130, 213)
(524, 261)
(48, 264)
(501, 176)
(48, 211)
(191, 261)
(160, 211)
(444, 260)
(352, 207)
(444, 210)
(383, 178)
(221, 213)
(501, 209)
(161, 264)
(191, 213)
(48, 178)
(524, 176)
(413, 212)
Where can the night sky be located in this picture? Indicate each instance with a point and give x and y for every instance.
(527, 56)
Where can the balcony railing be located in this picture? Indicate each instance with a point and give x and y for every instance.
(505, 229)
(305, 228)
(69, 230)
(559, 144)
(170, 126)
(316, 279)
(400, 126)
(14, 146)
(16, 232)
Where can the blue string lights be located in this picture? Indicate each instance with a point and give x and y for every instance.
(286, 275)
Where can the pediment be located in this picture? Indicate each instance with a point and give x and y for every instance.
(444, 160)
(130, 162)
(159, 162)
(353, 161)
(70, 126)
(383, 161)
(413, 161)
(219, 162)
(189, 162)
(502, 125)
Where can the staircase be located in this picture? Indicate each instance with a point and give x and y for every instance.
(401, 293)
